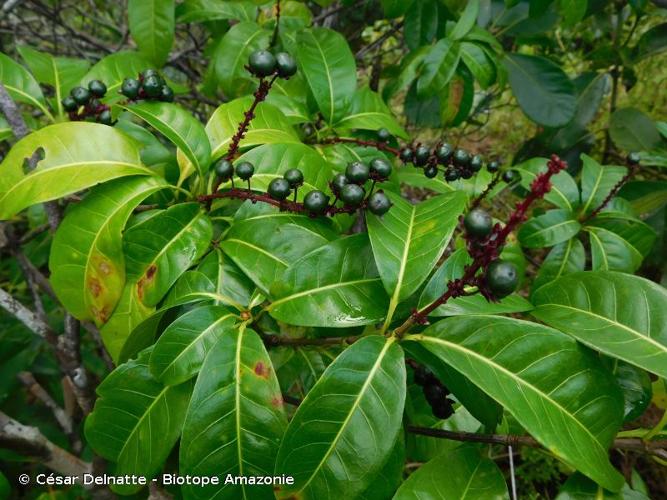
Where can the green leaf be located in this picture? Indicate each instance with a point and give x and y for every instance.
(21, 85)
(86, 261)
(439, 67)
(635, 233)
(369, 112)
(652, 42)
(421, 23)
(469, 476)
(549, 229)
(636, 386)
(180, 351)
(271, 161)
(557, 390)
(152, 27)
(545, 93)
(336, 285)
(235, 420)
(564, 192)
(180, 127)
(597, 182)
(268, 126)
(136, 421)
(610, 252)
(408, 241)
(232, 55)
(453, 268)
(193, 11)
(479, 64)
(565, 258)
(632, 130)
(157, 251)
(617, 314)
(265, 245)
(385, 483)
(361, 396)
(466, 21)
(572, 11)
(62, 73)
(114, 68)
(327, 63)
(77, 155)
(579, 487)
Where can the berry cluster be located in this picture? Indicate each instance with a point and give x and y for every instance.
(350, 186)
(263, 63)
(500, 277)
(149, 85)
(455, 163)
(82, 103)
(434, 392)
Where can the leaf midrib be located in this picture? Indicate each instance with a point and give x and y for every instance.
(313, 291)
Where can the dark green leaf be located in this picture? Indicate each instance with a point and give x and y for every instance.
(467, 20)
(632, 130)
(565, 258)
(439, 67)
(152, 25)
(549, 229)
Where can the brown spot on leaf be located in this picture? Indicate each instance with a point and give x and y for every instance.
(261, 370)
(105, 268)
(95, 287)
(101, 315)
(277, 401)
(146, 280)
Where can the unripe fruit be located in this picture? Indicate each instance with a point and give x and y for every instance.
(80, 95)
(478, 223)
(357, 172)
(511, 176)
(352, 195)
(461, 158)
(279, 189)
(444, 153)
(294, 176)
(431, 171)
(316, 202)
(166, 94)
(634, 158)
(224, 169)
(152, 86)
(130, 88)
(422, 154)
(105, 117)
(476, 163)
(245, 170)
(97, 88)
(384, 135)
(378, 203)
(406, 155)
(69, 104)
(381, 168)
(262, 63)
(502, 278)
(493, 167)
(286, 65)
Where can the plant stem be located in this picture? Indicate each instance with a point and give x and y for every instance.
(369, 144)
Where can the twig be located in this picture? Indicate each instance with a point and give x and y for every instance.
(274, 38)
(484, 194)
(63, 419)
(368, 48)
(274, 340)
(369, 144)
(29, 441)
(24, 315)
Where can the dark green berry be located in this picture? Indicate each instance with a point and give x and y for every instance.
(406, 155)
(286, 65)
(308, 129)
(97, 88)
(152, 86)
(634, 159)
(262, 63)
(466, 173)
(130, 88)
(245, 170)
(461, 158)
(380, 168)
(378, 203)
(493, 167)
(478, 223)
(476, 163)
(422, 154)
(69, 104)
(81, 95)
(316, 202)
(431, 171)
(105, 117)
(357, 172)
(224, 169)
(294, 176)
(384, 135)
(279, 189)
(444, 153)
(352, 195)
(338, 183)
(511, 176)
(148, 72)
(451, 175)
(166, 94)
(502, 278)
